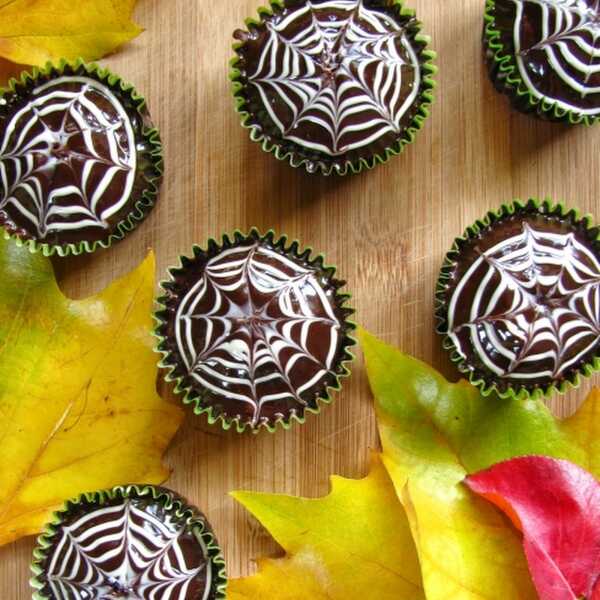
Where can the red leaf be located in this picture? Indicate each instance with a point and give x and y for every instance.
(556, 505)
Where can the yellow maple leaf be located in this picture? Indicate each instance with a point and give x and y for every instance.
(433, 434)
(353, 543)
(34, 32)
(78, 404)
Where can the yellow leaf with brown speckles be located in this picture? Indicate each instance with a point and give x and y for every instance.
(78, 404)
(354, 543)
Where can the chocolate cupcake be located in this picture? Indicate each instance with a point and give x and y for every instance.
(333, 86)
(254, 331)
(518, 300)
(544, 55)
(80, 162)
(128, 542)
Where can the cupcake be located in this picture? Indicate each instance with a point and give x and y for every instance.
(333, 86)
(128, 542)
(518, 300)
(543, 55)
(253, 331)
(80, 162)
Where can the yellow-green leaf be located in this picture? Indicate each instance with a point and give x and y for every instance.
(435, 432)
(353, 543)
(584, 426)
(78, 404)
(33, 32)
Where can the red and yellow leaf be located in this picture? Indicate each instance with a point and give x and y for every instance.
(556, 505)
(434, 433)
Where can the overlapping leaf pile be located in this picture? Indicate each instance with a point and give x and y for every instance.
(78, 403)
(434, 433)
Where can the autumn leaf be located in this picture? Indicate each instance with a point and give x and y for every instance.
(78, 403)
(556, 505)
(434, 433)
(353, 543)
(34, 32)
(584, 426)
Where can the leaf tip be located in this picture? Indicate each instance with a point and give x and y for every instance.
(136, 30)
(238, 495)
(368, 342)
(147, 267)
(363, 335)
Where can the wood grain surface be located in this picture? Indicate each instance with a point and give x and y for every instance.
(386, 230)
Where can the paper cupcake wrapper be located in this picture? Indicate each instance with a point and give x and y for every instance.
(573, 380)
(150, 163)
(172, 502)
(198, 399)
(328, 165)
(504, 73)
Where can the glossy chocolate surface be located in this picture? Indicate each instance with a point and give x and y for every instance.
(256, 333)
(332, 79)
(72, 157)
(556, 44)
(127, 548)
(523, 300)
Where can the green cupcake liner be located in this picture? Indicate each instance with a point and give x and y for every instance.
(504, 74)
(319, 162)
(150, 161)
(200, 400)
(531, 206)
(173, 503)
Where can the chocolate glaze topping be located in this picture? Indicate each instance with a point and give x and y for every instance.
(332, 79)
(522, 305)
(255, 332)
(556, 44)
(72, 159)
(130, 547)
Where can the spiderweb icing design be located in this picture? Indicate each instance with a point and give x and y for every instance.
(127, 551)
(336, 76)
(561, 37)
(258, 328)
(529, 307)
(67, 158)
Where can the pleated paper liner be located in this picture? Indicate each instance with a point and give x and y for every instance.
(148, 171)
(264, 131)
(187, 519)
(507, 79)
(480, 376)
(219, 404)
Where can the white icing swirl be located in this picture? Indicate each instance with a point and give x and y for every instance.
(244, 329)
(123, 551)
(342, 74)
(532, 306)
(570, 38)
(74, 126)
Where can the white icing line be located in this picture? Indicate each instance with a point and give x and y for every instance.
(311, 99)
(149, 557)
(47, 100)
(528, 262)
(562, 20)
(252, 338)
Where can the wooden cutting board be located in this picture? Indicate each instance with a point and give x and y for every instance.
(386, 230)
